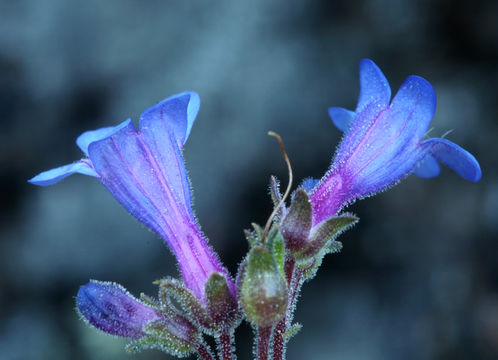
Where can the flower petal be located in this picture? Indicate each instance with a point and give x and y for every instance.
(342, 118)
(145, 172)
(165, 128)
(379, 148)
(128, 170)
(388, 150)
(359, 129)
(309, 183)
(85, 139)
(52, 176)
(373, 86)
(427, 168)
(178, 111)
(415, 102)
(456, 158)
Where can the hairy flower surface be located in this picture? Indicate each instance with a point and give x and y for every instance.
(110, 308)
(144, 170)
(383, 143)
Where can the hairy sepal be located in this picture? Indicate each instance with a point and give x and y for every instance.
(321, 239)
(191, 307)
(166, 345)
(174, 334)
(276, 197)
(276, 247)
(296, 225)
(221, 305)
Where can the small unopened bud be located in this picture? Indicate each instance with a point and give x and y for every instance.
(110, 308)
(263, 289)
(296, 225)
(220, 303)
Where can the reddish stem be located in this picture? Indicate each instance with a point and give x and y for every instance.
(263, 345)
(281, 327)
(278, 340)
(204, 352)
(225, 348)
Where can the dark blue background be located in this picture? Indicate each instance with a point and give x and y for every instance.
(418, 276)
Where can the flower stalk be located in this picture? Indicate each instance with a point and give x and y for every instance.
(226, 347)
(144, 170)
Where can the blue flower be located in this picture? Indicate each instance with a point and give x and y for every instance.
(383, 143)
(144, 170)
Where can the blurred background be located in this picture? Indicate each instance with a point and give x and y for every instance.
(417, 278)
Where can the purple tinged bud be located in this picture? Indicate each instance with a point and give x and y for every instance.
(301, 239)
(110, 308)
(296, 225)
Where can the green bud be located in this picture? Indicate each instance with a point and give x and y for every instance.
(263, 289)
(220, 302)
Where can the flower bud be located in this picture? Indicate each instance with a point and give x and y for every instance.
(110, 308)
(262, 288)
(296, 225)
(221, 305)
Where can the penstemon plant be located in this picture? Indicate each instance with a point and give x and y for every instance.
(144, 170)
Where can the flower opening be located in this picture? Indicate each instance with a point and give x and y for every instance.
(144, 170)
(383, 143)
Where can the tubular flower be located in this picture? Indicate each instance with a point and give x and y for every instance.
(383, 143)
(144, 170)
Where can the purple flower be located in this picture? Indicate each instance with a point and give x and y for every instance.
(144, 170)
(110, 308)
(383, 143)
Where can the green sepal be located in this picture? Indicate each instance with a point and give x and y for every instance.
(333, 247)
(296, 225)
(221, 304)
(293, 330)
(276, 197)
(310, 266)
(263, 289)
(164, 344)
(275, 244)
(254, 236)
(149, 301)
(251, 238)
(324, 234)
(258, 231)
(191, 306)
(178, 331)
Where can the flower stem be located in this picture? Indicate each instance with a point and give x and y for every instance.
(278, 340)
(263, 342)
(225, 346)
(294, 281)
(204, 352)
